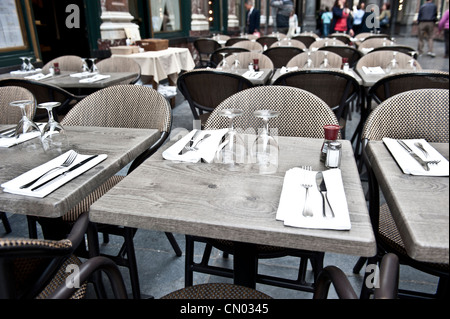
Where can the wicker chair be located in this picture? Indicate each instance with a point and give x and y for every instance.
(217, 57)
(11, 115)
(127, 106)
(306, 39)
(374, 43)
(341, 37)
(71, 63)
(267, 40)
(427, 111)
(345, 89)
(120, 64)
(400, 48)
(301, 114)
(206, 89)
(246, 57)
(326, 42)
(334, 60)
(383, 58)
(234, 40)
(280, 56)
(353, 55)
(289, 43)
(44, 92)
(249, 45)
(205, 47)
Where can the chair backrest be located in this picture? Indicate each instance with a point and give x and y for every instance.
(301, 113)
(334, 60)
(374, 43)
(221, 37)
(326, 42)
(400, 48)
(217, 56)
(267, 40)
(286, 42)
(307, 40)
(352, 54)
(280, 56)
(319, 82)
(120, 64)
(394, 84)
(234, 40)
(44, 92)
(12, 115)
(249, 45)
(413, 114)
(205, 89)
(383, 58)
(72, 63)
(341, 37)
(206, 46)
(246, 57)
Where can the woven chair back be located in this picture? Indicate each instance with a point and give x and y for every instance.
(10, 114)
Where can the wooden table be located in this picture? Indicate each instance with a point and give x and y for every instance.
(419, 204)
(262, 80)
(66, 81)
(212, 201)
(121, 145)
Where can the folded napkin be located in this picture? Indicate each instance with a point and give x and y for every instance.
(366, 50)
(19, 72)
(292, 200)
(373, 70)
(11, 141)
(206, 148)
(409, 165)
(252, 74)
(284, 69)
(13, 186)
(95, 78)
(83, 74)
(38, 76)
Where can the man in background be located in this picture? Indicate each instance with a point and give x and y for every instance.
(427, 19)
(284, 9)
(253, 17)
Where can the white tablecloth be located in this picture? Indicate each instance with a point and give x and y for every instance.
(160, 64)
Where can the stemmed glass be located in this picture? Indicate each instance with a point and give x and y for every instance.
(393, 65)
(309, 62)
(232, 150)
(93, 66)
(325, 63)
(30, 66)
(26, 126)
(236, 63)
(265, 147)
(54, 137)
(224, 65)
(85, 67)
(412, 62)
(24, 66)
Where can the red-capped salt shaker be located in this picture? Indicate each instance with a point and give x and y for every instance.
(331, 134)
(256, 65)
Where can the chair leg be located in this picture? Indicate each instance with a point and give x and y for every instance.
(174, 244)
(132, 264)
(32, 227)
(6, 223)
(189, 261)
(359, 264)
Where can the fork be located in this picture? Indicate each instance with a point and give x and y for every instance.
(307, 185)
(194, 146)
(420, 147)
(69, 160)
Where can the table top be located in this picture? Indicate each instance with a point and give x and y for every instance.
(120, 144)
(351, 72)
(212, 201)
(419, 204)
(160, 64)
(369, 80)
(262, 80)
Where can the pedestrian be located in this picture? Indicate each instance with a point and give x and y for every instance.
(326, 17)
(253, 17)
(443, 25)
(284, 9)
(342, 18)
(427, 19)
(293, 24)
(358, 18)
(385, 16)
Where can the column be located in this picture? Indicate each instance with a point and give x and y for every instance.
(199, 22)
(310, 16)
(233, 21)
(116, 22)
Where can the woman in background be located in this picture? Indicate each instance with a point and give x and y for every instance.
(326, 17)
(342, 18)
(358, 18)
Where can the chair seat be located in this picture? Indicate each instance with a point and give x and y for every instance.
(216, 291)
(390, 237)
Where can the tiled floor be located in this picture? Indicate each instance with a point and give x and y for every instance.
(161, 271)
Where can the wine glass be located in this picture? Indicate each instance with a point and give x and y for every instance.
(54, 137)
(223, 65)
(232, 149)
(236, 63)
(325, 63)
(412, 62)
(26, 126)
(393, 65)
(309, 62)
(30, 66)
(85, 67)
(24, 66)
(265, 147)
(93, 66)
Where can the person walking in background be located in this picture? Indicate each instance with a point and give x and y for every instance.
(443, 25)
(385, 16)
(427, 18)
(358, 18)
(253, 17)
(342, 18)
(326, 17)
(293, 24)
(284, 9)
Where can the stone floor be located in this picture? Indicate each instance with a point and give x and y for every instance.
(161, 271)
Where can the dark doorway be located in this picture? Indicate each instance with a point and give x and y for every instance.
(55, 37)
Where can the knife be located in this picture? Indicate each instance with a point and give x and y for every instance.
(65, 172)
(189, 144)
(414, 155)
(326, 207)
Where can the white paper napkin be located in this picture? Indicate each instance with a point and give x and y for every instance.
(38, 76)
(292, 200)
(19, 72)
(284, 69)
(13, 186)
(95, 78)
(373, 70)
(206, 149)
(83, 74)
(252, 74)
(11, 141)
(409, 165)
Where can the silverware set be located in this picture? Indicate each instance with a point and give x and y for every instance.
(193, 143)
(327, 210)
(425, 164)
(8, 133)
